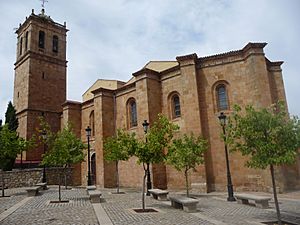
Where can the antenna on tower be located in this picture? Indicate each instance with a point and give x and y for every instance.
(43, 3)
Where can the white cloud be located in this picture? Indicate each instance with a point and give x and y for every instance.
(113, 39)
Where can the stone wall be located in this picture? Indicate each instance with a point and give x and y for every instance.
(29, 177)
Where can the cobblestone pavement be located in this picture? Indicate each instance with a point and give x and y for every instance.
(212, 209)
(39, 211)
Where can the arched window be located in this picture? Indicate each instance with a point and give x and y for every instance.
(92, 123)
(41, 39)
(21, 45)
(132, 113)
(55, 43)
(26, 41)
(221, 96)
(176, 106)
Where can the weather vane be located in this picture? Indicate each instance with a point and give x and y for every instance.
(43, 3)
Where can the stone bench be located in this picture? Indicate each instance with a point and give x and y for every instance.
(95, 196)
(260, 201)
(32, 191)
(159, 194)
(91, 188)
(185, 203)
(42, 185)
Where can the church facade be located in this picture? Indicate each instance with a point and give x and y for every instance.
(190, 90)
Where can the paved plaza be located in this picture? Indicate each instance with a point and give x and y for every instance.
(117, 209)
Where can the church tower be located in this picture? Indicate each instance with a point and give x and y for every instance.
(40, 75)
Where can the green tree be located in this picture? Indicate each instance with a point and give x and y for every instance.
(119, 148)
(11, 117)
(63, 150)
(10, 146)
(12, 121)
(268, 136)
(153, 150)
(186, 153)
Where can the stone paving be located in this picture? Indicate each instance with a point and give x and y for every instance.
(118, 209)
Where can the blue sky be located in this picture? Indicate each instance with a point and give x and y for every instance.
(113, 39)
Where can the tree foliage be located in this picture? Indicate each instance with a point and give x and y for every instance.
(187, 153)
(158, 140)
(120, 147)
(11, 117)
(64, 149)
(268, 136)
(9, 147)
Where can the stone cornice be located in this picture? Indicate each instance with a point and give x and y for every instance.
(145, 71)
(232, 56)
(192, 56)
(32, 54)
(70, 102)
(39, 19)
(37, 110)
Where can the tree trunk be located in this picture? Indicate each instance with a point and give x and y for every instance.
(118, 181)
(2, 173)
(65, 175)
(275, 195)
(187, 182)
(59, 192)
(143, 189)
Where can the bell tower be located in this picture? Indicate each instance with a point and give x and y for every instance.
(40, 75)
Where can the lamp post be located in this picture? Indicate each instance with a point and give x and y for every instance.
(88, 134)
(44, 136)
(222, 119)
(149, 184)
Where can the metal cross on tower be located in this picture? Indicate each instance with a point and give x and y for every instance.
(43, 3)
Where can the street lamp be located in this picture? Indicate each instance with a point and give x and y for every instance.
(222, 119)
(149, 185)
(44, 136)
(88, 134)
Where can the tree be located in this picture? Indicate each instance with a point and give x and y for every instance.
(268, 136)
(11, 117)
(12, 122)
(153, 150)
(119, 148)
(63, 150)
(186, 153)
(10, 146)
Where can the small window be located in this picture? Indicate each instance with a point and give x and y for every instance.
(18, 94)
(222, 100)
(132, 113)
(21, 45)
(43, 75)
(41, 39)
(176, 106)
(55, 44)
(26, 41)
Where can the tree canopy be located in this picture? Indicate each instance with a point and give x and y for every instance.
(158, 140)
(187, 153)
(120, 147)
(64, 149)
(11, 117)
(267, 135)
(9, 147)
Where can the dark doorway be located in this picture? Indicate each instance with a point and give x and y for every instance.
(93, 168)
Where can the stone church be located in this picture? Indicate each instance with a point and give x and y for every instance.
(190, 90)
